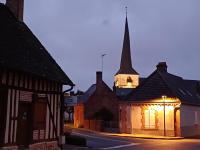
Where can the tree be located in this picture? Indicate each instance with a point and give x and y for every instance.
(103, 114)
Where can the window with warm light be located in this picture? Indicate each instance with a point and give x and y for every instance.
(150, 119)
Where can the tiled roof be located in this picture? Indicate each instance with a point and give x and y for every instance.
(88, 93)
(122, 93)
(21, 50)
(161, 83)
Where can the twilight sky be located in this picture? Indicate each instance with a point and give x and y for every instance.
(77, 32)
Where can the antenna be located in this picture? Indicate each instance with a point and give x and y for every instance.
(102, 56)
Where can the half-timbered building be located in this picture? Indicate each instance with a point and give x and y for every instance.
(30, 86)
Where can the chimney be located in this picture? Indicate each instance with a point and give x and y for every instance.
(98, 77)
(162, 67)
(17, 7)
(198, 87)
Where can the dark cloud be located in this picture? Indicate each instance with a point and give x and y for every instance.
(77, 32)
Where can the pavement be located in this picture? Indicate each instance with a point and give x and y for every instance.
(108, 141)
(102, 142)
(144, 136)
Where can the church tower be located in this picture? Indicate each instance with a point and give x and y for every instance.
(126, 77)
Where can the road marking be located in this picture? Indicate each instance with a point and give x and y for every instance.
(121, 146)
(106, 138)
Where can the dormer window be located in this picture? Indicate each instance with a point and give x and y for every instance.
(182, 92)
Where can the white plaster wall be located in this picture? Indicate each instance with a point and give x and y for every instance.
(136, 117)
(188, 115)
(169, 119)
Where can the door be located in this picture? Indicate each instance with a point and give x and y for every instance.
(3, 110)
(24, 120)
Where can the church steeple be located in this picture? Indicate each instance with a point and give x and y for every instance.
(126, 63)
(126, 77)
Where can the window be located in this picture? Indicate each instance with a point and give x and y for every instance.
(198, 96)
(129, 81)
(150, 119)
(182, 92)
(40, 109)
(189, 93)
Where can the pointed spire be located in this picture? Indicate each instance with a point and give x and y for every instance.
(126, 63)
(126, 11)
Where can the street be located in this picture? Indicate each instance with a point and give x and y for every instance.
(102, 142)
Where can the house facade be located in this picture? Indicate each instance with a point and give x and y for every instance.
(30, 86)
(164, 105)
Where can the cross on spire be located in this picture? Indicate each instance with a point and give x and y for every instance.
(126, 10)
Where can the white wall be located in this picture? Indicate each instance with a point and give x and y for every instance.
(188, 115)
(190, 120)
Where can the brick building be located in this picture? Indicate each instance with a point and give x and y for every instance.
(99, 97)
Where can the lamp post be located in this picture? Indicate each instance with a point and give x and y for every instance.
(164, 97)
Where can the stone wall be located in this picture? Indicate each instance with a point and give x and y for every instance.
(53, 145)
(10, 148)
(95, 125)
(44, 146)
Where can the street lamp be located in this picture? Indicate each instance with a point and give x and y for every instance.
(164, 98)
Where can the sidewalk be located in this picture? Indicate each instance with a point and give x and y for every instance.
(143, 136)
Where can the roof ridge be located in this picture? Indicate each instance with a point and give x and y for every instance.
(141, 85)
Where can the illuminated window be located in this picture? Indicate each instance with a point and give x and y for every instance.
(150, 119)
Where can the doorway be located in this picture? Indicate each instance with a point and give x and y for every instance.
(3, 110)
(24, 119)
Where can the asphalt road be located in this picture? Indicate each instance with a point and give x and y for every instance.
(97, 141)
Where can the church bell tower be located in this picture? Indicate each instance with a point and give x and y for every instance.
(126, 77)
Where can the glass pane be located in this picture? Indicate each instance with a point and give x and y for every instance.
(152, 118)
(146, 116)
